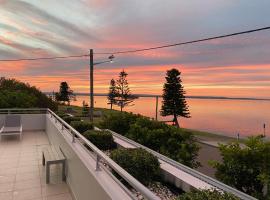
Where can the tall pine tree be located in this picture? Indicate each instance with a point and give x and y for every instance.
(174, 102)
(124, 96)
(112, 93)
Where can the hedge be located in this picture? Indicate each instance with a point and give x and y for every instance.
(81, 126)
(170, 141)
(119, 123)
(101, 139)
(141, 164)
(69, 119)
(207, 195)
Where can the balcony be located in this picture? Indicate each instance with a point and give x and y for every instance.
(22, 175)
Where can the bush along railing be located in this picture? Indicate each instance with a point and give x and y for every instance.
(139, 163)
(69, 119)
(82, 126)
(102, 139)
(105, 159)
(207, 194)
(170, 141)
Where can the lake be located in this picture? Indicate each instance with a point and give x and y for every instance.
(221, 116)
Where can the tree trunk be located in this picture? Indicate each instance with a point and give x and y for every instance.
(111, 106)
(121, 107)
(176, 121)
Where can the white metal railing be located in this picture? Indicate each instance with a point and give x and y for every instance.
(209, 180)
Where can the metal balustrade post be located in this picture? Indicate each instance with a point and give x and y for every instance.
(73, 137)
(97, 163)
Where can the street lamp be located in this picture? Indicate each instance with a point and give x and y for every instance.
(111, 57)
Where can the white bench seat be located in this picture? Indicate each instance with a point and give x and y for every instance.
(52, 155)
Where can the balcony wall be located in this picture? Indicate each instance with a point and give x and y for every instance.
(30, 122)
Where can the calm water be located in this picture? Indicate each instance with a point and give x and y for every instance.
(227, 117)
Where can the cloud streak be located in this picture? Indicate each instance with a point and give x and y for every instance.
(233, 66)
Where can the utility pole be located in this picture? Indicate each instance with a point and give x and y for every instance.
(264, 130)
(91, 111)
(156, 107)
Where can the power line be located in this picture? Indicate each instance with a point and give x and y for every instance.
(43, 58)
(189, 42)
(140, 50)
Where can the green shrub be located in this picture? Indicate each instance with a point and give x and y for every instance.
(101, 139)
(118, 122)
(141, 164)
(62, 114)
(247, 167)
(168, 140)
(69, 119)
(207, 195)
(81, 126)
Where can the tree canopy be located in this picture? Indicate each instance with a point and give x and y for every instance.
(112, 93)
(124, 96)
(174, 102)
(65, 94)
(16, 94)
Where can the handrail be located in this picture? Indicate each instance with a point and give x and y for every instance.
(203, 177)
(100, 155)
(22, 110)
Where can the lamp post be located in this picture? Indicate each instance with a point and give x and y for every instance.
(91, 110)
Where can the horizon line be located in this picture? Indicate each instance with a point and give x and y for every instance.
(188, 97)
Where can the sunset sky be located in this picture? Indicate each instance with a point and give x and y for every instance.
(236, 67)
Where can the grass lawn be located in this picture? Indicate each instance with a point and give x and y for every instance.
(200, 135)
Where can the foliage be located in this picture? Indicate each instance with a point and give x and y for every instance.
(118, 122)
(112, 93)
(15, 94)
(124, 96)
(81, 126)
(85, 109)
(65, 94)
(174, 102)
(207, 195)
(69, 119)
(245, 168)
(168, 140)
(138, 162)
(173, 142)
(102, 139)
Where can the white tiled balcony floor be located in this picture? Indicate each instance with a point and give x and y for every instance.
(22, 176)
